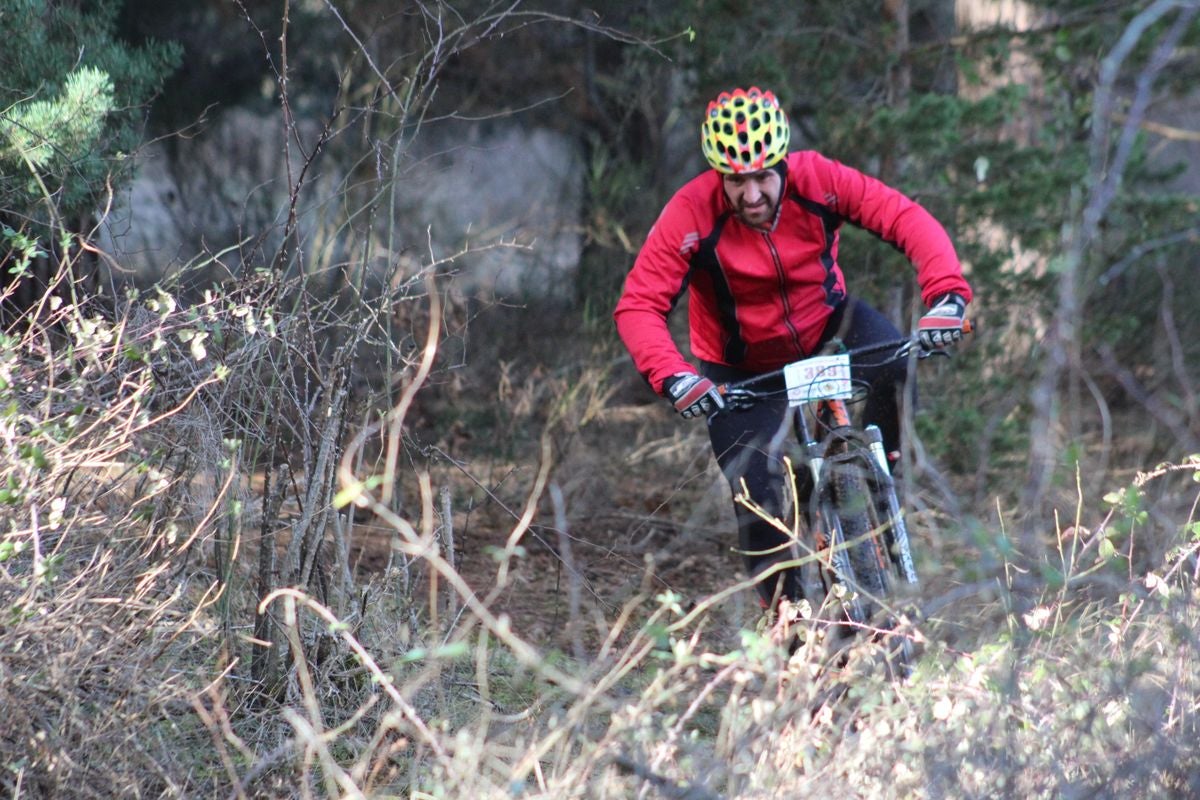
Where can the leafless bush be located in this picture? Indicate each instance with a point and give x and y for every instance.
(97, 613)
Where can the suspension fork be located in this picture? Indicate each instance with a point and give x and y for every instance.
(902, 552)
(833, 414)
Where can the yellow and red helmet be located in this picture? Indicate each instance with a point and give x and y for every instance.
(744, 131)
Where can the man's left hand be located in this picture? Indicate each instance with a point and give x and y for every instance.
(942, 326)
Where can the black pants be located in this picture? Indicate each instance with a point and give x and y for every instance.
(749, 444)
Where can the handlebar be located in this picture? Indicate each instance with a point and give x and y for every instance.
(738, 394)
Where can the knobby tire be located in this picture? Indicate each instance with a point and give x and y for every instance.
(866, 523)
(855, 511)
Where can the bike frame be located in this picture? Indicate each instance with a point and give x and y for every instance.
(831, 429)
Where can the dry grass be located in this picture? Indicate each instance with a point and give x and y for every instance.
(175, 627)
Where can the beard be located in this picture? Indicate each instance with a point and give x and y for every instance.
(758, 215)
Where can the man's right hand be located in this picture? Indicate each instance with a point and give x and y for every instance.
(692, 395)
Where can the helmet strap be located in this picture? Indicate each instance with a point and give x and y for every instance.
(780, 168)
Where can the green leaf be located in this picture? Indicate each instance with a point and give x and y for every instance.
(452, 650)
(449, 651)
(351, 493)
(414, 655)
(32, 453)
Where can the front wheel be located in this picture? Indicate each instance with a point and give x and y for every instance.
(868, 524)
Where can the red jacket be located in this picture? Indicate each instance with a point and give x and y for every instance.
(760, 298)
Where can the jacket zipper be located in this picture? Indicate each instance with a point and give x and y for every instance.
(783, 296)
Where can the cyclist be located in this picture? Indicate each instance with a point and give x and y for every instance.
(755, 241)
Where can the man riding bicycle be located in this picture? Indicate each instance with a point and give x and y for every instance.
(755, 241)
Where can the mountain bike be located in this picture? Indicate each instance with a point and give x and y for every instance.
(848, 526)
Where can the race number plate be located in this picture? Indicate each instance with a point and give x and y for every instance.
(819, 378)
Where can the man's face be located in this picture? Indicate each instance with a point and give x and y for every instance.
(754, 195)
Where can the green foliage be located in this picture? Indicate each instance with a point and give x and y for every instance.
(1135, 282)
(21, 248)
(72, 96)
(37, 132)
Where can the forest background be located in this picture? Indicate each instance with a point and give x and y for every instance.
(312, 513)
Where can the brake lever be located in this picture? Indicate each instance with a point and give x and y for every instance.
(735, 399)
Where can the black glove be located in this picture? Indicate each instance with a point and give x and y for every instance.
(943, 325)
(692, 394)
